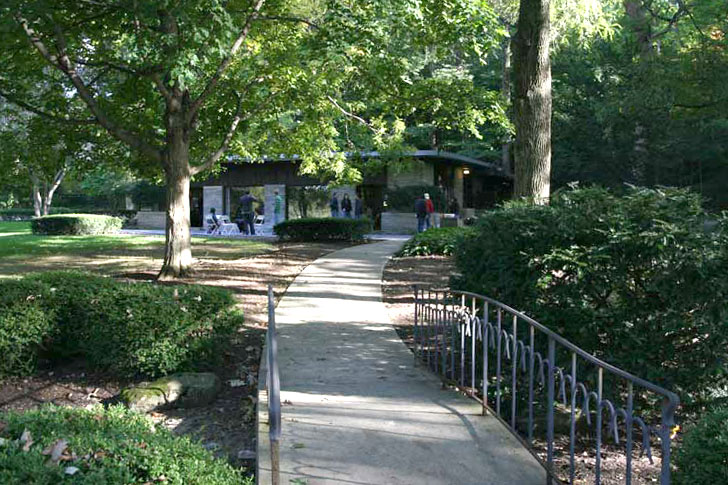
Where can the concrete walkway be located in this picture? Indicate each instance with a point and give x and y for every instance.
(356, 410)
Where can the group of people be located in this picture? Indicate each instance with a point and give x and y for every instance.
(245, 215)
(424, 208)
(345, 208)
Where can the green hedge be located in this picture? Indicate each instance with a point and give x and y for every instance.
(129, 329)
(402, 199)
(26, 213)
(106, 446)
(634, 279)
(703, 456)
(76, 224)
(437, 241)
(323, 229)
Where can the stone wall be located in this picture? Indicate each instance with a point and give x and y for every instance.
(151, 220)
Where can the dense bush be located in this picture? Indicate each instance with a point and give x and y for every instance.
(402, 199)
(703, 456)
(76, 224)
(635, 279)
(24, 327)
(127, 328)
(24, 213)
(323, 229)
(436, 241)
(111, 445)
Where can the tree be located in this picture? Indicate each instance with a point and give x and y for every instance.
(532, 101)
(176, 80)
(42, 151)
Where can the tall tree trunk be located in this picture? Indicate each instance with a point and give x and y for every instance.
(532, 103)
(50, 192)
(178, 250)
(506, 92)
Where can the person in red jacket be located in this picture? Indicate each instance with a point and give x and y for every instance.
(430, 210)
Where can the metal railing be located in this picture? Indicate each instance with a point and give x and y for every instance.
(494, 353)
(273, 386)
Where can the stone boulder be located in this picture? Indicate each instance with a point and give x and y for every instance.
(183, 390)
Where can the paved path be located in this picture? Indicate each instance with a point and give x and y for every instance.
(356, 410)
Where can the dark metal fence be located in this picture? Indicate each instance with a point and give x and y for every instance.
(273, 386)
(510, 363)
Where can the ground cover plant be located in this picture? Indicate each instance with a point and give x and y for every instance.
(129, 329)
(323, 229)
(440, 241)
(637, 279)
(55, 445)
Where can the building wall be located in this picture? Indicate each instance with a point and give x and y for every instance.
(419, 173)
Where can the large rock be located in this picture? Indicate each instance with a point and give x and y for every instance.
(183, 390)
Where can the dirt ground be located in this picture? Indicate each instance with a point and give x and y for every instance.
(227, 426)
(401, 274)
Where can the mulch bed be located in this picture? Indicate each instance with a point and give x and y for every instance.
(227, 426)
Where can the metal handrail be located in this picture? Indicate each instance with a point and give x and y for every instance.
(441, 314)
(273, 385)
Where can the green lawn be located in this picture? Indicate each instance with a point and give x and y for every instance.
(17, 242)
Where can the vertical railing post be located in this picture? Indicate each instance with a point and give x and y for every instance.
(550, 411)
(628, 435)
(598, 428)
(666, 425)
(473, 339)
(415, 332)
(572, 422)
(531, 363)
(514, 369)
(485, 356)
(498, 365)
(274, 389)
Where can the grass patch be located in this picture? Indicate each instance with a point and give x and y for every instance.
(17, 242)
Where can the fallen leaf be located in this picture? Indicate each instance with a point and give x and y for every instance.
(27, 440)
(298, 445)
(71, 470)
(56, 450)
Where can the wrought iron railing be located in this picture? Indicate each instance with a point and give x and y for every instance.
(273, 386)
(508, 361)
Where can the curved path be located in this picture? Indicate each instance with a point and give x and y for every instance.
(356, 410)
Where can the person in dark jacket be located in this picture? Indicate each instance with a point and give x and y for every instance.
(421, 212)
(346, 206)
(334, 206)
(358, 208)
(247, 212)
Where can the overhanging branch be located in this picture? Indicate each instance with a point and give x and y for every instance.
(225, 63)
(40, 112)
(63, 63)
(210, 162)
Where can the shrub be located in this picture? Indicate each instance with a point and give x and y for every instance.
(634, 279)
(111, 445)
(323, 229)
(129, 328)
(402, 199)
(76, 224)
(703, 456)
(440, 241)
(24, 327)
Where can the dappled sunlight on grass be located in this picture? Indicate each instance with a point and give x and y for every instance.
(21, 251)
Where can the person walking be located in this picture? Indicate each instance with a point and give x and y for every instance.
(430, 208)
(277, 208)
(246, 209)
(346, 206)
(421, 213)
(334, 206)
(358, 208)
